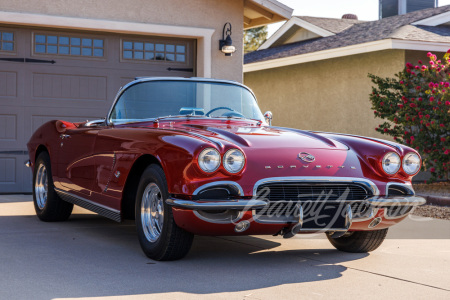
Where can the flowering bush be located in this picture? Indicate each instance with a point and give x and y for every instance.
(416, 107)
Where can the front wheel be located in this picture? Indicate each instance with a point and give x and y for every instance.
(49, 207)
(159, 235)
(359, 241)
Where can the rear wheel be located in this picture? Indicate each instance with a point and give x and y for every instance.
(159, 235)
(47, 204)
(359, 241)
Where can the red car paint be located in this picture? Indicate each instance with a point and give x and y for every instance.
(85, 163)
(94, 162)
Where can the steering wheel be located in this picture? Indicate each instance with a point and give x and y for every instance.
(217, 108)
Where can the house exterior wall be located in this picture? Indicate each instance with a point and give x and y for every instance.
(414, 56)
(193, 13)
(328, 95)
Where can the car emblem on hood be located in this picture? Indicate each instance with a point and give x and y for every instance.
(306, 157)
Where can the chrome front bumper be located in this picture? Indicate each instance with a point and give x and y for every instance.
(395, 207)
(244, 204)
(396, 201)
(238, 204)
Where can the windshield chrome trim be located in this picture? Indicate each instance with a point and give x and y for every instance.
(150, 79)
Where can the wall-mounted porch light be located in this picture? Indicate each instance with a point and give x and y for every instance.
(226, 44)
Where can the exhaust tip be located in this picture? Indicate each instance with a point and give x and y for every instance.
(375, 222)
(242, 226)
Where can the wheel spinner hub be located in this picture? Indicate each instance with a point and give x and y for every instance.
(152, 212)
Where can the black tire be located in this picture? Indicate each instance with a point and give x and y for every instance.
(49, 207)
(171, 242)
(359, 241)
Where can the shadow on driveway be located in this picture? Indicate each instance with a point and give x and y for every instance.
(89, 256)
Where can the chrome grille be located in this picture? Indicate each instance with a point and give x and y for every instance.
(300, 192)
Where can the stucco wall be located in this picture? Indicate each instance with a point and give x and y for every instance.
(414, 56)
(195, 13)
(328, 95)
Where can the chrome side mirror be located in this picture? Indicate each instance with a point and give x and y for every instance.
(268, 117)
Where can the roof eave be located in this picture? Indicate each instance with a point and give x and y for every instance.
(294, 21)
(263, 12)
(379, 45)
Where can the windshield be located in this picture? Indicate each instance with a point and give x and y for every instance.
(156, 99)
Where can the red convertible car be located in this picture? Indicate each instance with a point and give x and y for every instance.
(187, 157)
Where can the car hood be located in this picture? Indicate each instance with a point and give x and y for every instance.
(260, 136)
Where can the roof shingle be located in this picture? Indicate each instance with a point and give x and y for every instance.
(396, 27)
(332, 25)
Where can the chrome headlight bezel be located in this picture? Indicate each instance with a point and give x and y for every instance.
(407, 158)
(225, 159)
(385, 163)
(201, 160)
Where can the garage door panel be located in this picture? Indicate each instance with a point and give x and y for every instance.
(8, 84)
(8, 128)
(8, 170)
(14, 176)
(11, 128)
(69, 87)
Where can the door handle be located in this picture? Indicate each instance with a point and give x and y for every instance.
(64, 136)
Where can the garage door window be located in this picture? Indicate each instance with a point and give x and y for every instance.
(152, 50)
(68, 45)
(6, 41)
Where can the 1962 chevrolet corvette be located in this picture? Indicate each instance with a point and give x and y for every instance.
(196, 156)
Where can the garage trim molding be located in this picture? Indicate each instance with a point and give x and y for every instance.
(203, 35)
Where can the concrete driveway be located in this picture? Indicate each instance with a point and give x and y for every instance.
(92, 257)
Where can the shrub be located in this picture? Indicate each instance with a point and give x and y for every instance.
(416, 108)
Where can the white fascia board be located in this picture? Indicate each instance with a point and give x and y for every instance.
(420, 45)
(286, 26)
(434, 20)
(204, 35)
(319, 55)
(276, 7)
(346, 51)
(279, 33)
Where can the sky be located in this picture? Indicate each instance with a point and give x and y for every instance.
(366, 10)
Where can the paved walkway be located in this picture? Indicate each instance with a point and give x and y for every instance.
(92, 257)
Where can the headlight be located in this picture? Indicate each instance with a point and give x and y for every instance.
(209, 160)
(391, 163)
(411, 163)
(233, 160)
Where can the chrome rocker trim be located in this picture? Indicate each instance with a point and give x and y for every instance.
(205, 204)
(102, 210)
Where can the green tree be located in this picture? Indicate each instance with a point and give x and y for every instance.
(254, 37)
(416, 108)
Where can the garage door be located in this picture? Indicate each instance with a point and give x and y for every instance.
(70, 75)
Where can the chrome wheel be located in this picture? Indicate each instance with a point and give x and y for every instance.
(41, 186)
(152, 212)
